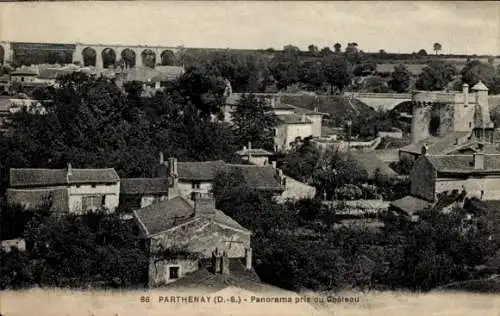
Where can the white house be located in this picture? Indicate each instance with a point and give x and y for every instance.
(68, 190)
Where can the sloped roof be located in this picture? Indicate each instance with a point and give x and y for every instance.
(438, 145)
(370, 162)
(410, 204)
(464, 164)
(44, 177)
(159, 73)
(162, 216)
(258, 177)
(144, 185)
(34, 199)
(293, 119)
(480, 86)
(199, 170)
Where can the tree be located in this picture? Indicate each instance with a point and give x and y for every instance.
(312, 74)
(437, 47)
(254, 122)
(285, 67)
(338, 72)
(422, 52)
(352, 52)
(301, 162)
(400, 80)
(436, 76)
(313, 49)
(325, 51)
(476, 70)
(337, 47)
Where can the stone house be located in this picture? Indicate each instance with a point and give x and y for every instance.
(435, 178)
(189, 177)
(68, 190)
(181, 235)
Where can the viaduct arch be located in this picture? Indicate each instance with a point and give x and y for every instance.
(129, 56)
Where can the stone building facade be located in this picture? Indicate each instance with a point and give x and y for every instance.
(181, 233)
(68, 190)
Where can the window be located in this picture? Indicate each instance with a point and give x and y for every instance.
(93, 185)
(195, 185)
(275, 132)
(173, 273)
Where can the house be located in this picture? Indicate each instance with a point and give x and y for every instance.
(372, 165)
(141, 192)
(189, 177)
(293, 121)
(181, 235)
(290, 189)
(438, 178)
(68, 190)
(24, 74)
(255, 156)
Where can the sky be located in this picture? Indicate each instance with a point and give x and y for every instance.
(400, 27)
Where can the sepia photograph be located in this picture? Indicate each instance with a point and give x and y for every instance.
(249, 158)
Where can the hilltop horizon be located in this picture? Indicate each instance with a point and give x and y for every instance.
(463, 28)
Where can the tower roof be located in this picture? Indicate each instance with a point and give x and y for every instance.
(480, 86)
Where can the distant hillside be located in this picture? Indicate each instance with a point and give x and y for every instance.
(338, 107)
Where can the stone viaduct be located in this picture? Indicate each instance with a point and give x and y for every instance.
(102, 55)
(386, 101)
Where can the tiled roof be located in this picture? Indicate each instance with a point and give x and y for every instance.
(33, 199)
(53, 73)
(159, 217)
(257, 177)
(254, 152)
(199, 170)
(164, 215)
(369, 162)
(45, 177)
(438, 145)
(160, 73)
(479, 87)
(410, 204)
(26, 71)
(464, 164)
(293, 119)
(143, 185)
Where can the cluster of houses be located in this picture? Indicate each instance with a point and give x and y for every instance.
(176, 212)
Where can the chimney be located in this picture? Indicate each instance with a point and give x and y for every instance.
(216, 261)
(224, 269)
(204, 205)
(172, 165)
(465, 91)
(273, 163)
(478, 161)
(161, 158)
(315, 109)
(248, 258)
(249, 145)
(425, 150)
(69, 170)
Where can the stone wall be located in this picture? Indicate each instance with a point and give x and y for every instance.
(422, 179)
(420, 122)
(158, 271)
(490, 185)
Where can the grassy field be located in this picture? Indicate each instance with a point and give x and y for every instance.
(61, 302)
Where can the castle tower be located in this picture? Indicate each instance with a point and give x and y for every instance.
(420, 123)
(481, 95)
